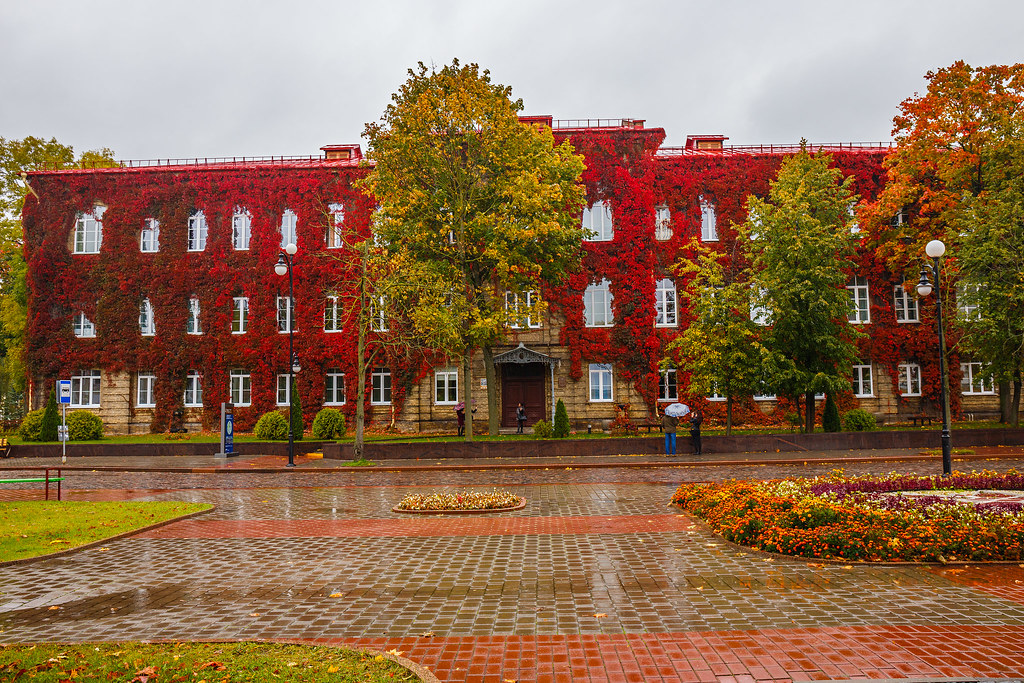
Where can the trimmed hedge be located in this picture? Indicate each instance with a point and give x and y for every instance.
(272, 426)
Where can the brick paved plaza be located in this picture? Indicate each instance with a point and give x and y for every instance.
(596, 579)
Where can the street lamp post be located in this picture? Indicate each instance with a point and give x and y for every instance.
(284, 265)
(935, 249)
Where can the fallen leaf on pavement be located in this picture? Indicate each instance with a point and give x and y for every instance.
(335, 595)
(397, 653)
(55, 607)
(598, 615)
(427, 634)
(216, 666)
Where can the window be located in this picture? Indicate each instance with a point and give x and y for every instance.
(241, 228)
(378, 314)
(446, 386)
(665, 303)
(662, 223)
(905, 304)
(380, 387)
(715, 396)
(147, 323)
(851, 222)
(144, 396)
(83, 326)
(284, 391)
(334, 388)
(193, 326)
(285, 314)
(240, 315)
(193, 390)
(521, 303)
(89, 231)
(667, 390)
(85, 389)
(600, 382)
(764, 396)
(967, 301)
(754, 218)
(760, 314)
(332, 314)
(377, 222)
(910, 379)
(289, 228)
(597, 305)
(708, 221)
(241, 387)
(149, 238)
(859, 303)
(900, 218)
(197, 230)
(335, 226)
(972, 381)
(597, 220)
(862, 387)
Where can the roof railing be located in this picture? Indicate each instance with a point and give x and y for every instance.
(597, 123)
(776, 149)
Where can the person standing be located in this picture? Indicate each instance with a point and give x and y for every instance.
(460, 418)
(696, 418)
(520, 418)
(668, 425)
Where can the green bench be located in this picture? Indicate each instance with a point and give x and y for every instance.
(35, 480)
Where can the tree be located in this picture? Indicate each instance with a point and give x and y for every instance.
(957, 166)
(51, 419)
(800, 250)
(830, 417)
(484, 204)
(16, 158)
(561, 429)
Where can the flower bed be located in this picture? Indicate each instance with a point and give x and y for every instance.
(865, 518)
(460, 501)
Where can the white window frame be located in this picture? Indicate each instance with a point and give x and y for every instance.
(668, 387)
(240, 384)
(147, 320)
(289, 228)
(665, 303)
(83, 327)
(86, 385)
(967, 301)
(909, 379)
(332, 388)
(598, 222)
(905, 304)
(446, 386)
(760, 314)
(515, 302)
(241, 229)
(601, 383)
(378, 314)
(332, 314)
(863, 381)
(852, 223)
(860, 301)
(708, 221)
(662, 223)
(194, 323)
(198, 229)
(715, 396)
(149, 237)
(765, 397)
(597, 305)
(239, 314)
(145, 384)
(89, 231)
(380, 387)
(284, 390)
(285, 315)
(976, 384)
(193, 390)
(335, 235)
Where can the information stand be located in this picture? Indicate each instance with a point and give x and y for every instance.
(227, 431)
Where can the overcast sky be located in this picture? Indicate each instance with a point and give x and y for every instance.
(185, 78)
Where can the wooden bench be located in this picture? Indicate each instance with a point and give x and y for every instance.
(5, 448)
(44, 480)
(649, 425)
(922, 418)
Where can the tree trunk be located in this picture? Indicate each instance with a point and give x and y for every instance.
(1015, 405)
(360, 394)
(809, 412)
(728, 416)
(467, 382)
(493, 416)
(1005, 403)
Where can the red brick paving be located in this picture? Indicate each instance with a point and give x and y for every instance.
(419, 526)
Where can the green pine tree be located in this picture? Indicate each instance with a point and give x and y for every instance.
(830, 417)
(295, 413)
(561, 421)
(51, 420)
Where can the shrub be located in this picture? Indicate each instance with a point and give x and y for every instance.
(830, 417)
(31, 427)
(51, 420)
(295, 413)
(84, 426)
(561, 421)
(542, 430)
(271, 426)
(329, 423)
(858, 420)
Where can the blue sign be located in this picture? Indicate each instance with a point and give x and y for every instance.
(64, 391)
(229, 432)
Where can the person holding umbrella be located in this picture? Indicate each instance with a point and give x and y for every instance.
(669, 422)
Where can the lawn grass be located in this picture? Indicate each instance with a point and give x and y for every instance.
(33, 528)
(195, 663)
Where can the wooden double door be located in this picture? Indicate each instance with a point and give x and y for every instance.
(523, 382)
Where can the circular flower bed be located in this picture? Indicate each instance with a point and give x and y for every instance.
(460, 501)
(866, 518)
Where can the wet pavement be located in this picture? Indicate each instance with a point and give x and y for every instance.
(596, 579)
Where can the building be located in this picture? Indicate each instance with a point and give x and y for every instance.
(152, 287)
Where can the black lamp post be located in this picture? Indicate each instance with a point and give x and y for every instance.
(935, 249)
(284, 265)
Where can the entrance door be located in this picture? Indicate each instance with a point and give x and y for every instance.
(522, 382)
